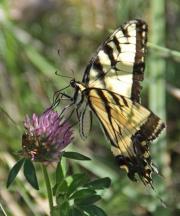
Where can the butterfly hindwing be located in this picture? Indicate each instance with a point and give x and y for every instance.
(130, 127)
(119, 63)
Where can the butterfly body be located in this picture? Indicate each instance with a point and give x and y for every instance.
(110, 88)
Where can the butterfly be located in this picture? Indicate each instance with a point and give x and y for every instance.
(110, 89)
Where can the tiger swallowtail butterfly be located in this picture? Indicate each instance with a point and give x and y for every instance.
(110, 89)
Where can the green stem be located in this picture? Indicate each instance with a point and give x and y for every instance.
(2, 210)
(168, 53)
(48, 188)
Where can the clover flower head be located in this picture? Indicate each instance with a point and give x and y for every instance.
(45, 136)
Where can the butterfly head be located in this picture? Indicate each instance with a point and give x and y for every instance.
(73, 83)
(77, 85)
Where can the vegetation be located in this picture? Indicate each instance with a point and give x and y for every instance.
(39, 39)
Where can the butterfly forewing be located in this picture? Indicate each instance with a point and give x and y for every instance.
(119, 63)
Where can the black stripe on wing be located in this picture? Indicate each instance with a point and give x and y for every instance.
(139, 65)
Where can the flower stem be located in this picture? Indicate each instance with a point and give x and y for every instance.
(3, 211)
(48, 188)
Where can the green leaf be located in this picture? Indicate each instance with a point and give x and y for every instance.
(54, 189)
(78, 180)
(61, 199)
(99, 184)
(64, 209)
(75, 156)
(60, 178)
(94, 210)
(76, 212)
(30, 174)
(87, 201)
(61, 188)
(14, 171)
(83, 193)
(55, 211)
(59, 173)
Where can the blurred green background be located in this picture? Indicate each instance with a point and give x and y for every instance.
(38, 38)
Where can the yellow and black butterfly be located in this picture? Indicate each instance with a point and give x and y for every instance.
(110, 88)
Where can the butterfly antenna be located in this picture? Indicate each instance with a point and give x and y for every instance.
(58, 74)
